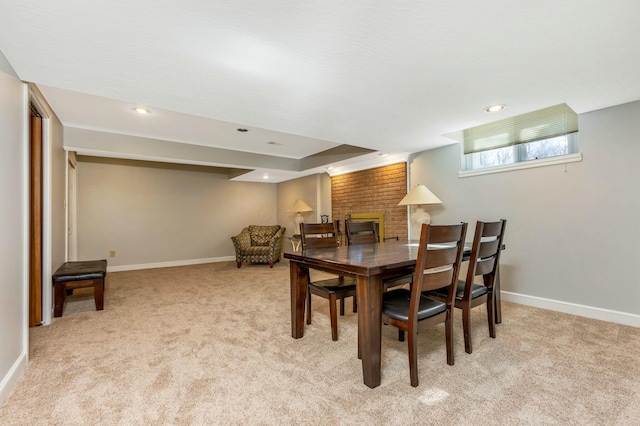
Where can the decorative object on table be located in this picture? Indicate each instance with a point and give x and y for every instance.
(259, 244)
(299, 207)
(325, 235)
(419, 196)
(484, 261)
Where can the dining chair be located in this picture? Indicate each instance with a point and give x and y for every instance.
(366, 232)
(361, 232)
(484, 261)
(325, 235)
(437, 266)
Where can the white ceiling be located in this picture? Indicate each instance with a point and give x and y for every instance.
(391, 76)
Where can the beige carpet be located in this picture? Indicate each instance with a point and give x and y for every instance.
(211, 344)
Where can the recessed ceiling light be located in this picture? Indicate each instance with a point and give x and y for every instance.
(265, 176)
(242, 130)
(141, 110)
(494, 108)
(274, 143)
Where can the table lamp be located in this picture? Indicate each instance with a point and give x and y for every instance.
(298, 207)
(419, 196)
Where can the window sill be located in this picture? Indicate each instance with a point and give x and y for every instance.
(571, 158)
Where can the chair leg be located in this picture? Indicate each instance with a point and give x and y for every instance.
(466, 327)
(400, 335)
(271, 264)
(448, 331)
(413, 358)
(334, 317)
(239, 264)
(355, 304)
(342, 307)
(308, 306)
(491, 315)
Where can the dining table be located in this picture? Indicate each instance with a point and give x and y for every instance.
(369, 265)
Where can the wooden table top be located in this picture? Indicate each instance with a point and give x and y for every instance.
(362, 259)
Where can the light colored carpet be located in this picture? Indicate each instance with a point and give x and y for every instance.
(211, 344)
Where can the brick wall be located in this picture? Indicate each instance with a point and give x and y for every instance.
(376, 190)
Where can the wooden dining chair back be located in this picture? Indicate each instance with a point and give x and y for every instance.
(361, 232)
(437, 266)
(366, 232)
(484, 261)
(318, 236)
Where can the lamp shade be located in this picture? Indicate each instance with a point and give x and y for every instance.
(300, 206)
(418, 195)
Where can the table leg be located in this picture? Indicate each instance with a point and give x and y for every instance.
(369, 293)
(298, 279)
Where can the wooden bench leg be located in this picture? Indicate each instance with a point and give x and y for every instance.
(60, 296)
(61, 293)
(98, 293)
(79, 274)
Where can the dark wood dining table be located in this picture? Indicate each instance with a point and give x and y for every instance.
(369, 264)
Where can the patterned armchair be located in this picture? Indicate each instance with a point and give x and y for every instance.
(259, 244)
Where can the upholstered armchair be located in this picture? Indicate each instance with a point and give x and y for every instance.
(259, 244)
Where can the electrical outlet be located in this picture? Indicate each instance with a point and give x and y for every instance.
(112, 253)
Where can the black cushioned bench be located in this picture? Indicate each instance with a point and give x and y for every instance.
(72, 275)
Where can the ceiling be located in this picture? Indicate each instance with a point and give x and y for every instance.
(389, 77)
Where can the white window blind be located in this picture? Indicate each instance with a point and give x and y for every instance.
(543, 124)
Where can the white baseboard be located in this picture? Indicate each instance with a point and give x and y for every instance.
(170, 264)
(573, 308)
(9, 381)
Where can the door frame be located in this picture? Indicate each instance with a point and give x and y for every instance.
(47, 290)
(35, 216)
(71, 239)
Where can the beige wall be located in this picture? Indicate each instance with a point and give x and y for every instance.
(58, 187)
(315, 190)
(572, 233)
(152, 213)
(13, 219)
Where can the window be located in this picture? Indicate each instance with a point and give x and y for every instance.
(543, 149)
(546, 136)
